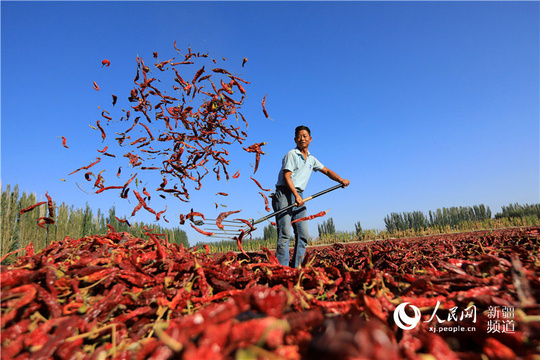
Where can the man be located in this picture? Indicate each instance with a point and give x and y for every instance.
(293, 177)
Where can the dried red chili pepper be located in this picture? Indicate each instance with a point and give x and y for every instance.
(87, 167)
(259, 185)
(202, 231)
(264, 106)
(266, 205)
(31, 207)
(223, 215)
(319, 214)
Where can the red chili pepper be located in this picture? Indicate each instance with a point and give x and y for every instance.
(158, 215)
(103, 135)
(96, 87)
(106, 116)
(223, 215)
(319, 214)
(266, 205)
(105, 62)
(50, 205)
(197, 74)
(264, 106)
(31, 207)
(259, 185)
(108, 188)
(124, 221)
(202, 231)
(87, 167)
(222, 71)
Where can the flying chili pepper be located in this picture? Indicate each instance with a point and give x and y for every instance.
(108, 188)
(248, 223)
(50, 205)
(197, 74)
(264, 106)
(191, 215)
(222, 71)
(105, 63)
(106, 116)
(64, 142)
(223, 215)
(145, 192)
(87, 167)
(202, 231)
(96, 87)
(124, 221)
(259, 185)
(244, 61)
(41, 221)
(322, 213)
(222, 193)
(236, 174)
(267, 207)
(103, 135)
(158, 215)
(32, 207)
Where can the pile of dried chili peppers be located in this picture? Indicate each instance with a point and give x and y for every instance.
(120, 297)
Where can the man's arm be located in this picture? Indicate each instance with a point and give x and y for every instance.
(287, 176)
(332, 175)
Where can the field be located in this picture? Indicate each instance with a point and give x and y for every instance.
(458, 296)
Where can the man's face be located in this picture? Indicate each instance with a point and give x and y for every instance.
(302, 139)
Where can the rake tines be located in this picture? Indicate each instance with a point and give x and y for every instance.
(231, 228)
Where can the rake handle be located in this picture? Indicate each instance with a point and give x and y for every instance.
(293, 205)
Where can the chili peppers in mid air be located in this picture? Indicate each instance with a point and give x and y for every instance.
(179, 139)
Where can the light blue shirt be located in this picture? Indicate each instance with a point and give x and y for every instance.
(301, 169)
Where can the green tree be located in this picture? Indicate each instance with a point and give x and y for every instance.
(327, 228)
(358, 228)
(270, 233)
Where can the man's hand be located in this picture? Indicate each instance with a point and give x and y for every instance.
(332, 175)
(299, 201)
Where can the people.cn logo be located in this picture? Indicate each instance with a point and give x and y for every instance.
(403, 320)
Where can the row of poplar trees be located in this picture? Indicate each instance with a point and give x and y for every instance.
(440, 218)
(17, 231)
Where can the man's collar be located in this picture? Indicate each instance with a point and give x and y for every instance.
(299, 152)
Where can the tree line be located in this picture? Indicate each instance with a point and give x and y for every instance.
(17, 231)
(454, 216)
(516, 210)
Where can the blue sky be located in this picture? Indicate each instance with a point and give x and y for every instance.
(421, 105)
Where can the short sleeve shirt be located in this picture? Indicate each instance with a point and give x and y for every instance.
(301, 168)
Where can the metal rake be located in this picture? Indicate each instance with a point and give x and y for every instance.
(234, 228)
